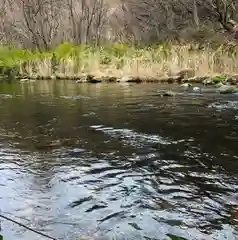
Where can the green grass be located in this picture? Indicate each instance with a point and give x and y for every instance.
(218, 79)
(119, 60)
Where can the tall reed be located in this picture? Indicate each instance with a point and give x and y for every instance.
(120, 60)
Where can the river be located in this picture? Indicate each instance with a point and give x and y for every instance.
(117, 161)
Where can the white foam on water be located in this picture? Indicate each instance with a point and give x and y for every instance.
(5, 96)
(224, 105)
(131, 137)
(74, 97)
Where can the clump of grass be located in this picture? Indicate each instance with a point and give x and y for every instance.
(219, 79)
(118, 60)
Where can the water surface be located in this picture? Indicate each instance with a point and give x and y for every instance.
(117, 161)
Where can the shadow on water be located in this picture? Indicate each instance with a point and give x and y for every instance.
(117, 161)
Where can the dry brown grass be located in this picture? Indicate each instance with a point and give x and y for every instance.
(153, 62)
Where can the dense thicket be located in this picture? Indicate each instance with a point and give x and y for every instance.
(43, 24)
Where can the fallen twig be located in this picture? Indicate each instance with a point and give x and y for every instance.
(22, 225)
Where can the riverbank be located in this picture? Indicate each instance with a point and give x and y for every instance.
(168, 63)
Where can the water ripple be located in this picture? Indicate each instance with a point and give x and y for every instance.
(155, 168)
(224, 105)
(133, 138)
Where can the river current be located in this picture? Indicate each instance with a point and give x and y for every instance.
(117, 161)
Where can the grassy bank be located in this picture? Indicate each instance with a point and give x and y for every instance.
(119, 61)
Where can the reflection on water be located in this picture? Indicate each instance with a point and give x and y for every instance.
(117, 162)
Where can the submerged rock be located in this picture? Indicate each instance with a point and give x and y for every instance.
(168, 93)
(218, 85)
(227, 89)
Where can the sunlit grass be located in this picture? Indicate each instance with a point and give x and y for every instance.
(120, 60)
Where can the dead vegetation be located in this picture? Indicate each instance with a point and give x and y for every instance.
(120, 62)
(43, 24)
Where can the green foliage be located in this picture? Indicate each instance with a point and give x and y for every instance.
(1, 237)
(77, 58)
(117, 50)
(10, 61)
(114, 53)
(10, 57)
(218, 79)
(64, 50)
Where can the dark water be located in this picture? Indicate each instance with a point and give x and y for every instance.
(117, 162)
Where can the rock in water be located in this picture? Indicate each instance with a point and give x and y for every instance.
(168, 94)
(196, 89)
(186, 85)
(207, 82)
(219, 85)
(227, 89)
(130, 79)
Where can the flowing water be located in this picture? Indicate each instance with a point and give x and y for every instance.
(117, 161)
